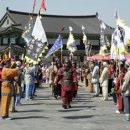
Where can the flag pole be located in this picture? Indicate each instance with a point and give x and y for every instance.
(85, 42)
(34, 4)
(61, 50)
(61, 55)
(71, 55)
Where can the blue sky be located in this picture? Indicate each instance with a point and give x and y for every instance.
(105, 8)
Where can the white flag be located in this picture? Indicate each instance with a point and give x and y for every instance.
(102, 25)
(70, 40)
(71, 46)
(117, 45)
(38, 31)
(70, 28)
(83, 27)
(125, 30)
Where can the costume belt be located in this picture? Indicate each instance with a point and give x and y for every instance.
(67, 82)
(6, 80)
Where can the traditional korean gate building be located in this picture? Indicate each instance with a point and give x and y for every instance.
(13, 24)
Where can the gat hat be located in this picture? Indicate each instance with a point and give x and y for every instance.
(127, 63)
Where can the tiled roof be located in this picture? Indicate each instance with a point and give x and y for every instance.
(53, 23)
(2, 29)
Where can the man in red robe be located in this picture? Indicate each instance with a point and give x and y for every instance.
(68, 77)
(75, 85)
(118, 83)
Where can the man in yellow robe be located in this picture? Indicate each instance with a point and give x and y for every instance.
(7, 88)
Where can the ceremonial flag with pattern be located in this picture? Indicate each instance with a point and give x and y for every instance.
(102, 35)
(117, 44)
(71, 46)
(37, 43)
(27, 34)
(87, 45)
(84, 36)
(124, 30)
(120, 39)
(57, 45)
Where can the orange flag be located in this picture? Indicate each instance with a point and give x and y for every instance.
(43, 5)
(5, 57)
(10, 54)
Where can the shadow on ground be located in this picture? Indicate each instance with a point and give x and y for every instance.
(33, 104)
(30, 111)
(78, 117)
(88, 107)
(77, 101)
(30, 117)
(70, 110)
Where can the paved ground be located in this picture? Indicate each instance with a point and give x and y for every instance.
(46, 113)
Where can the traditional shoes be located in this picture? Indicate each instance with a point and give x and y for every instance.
(66, 106)
(5, 118)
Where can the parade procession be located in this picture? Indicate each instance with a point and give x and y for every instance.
(63, 56)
